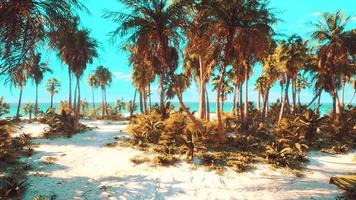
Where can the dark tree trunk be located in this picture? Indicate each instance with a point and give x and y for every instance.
(241, 102)
(93, 99)
(70, 88)
(19, 104)
(36, 103)
(245, 118)
(207, 106)
(162, 103)
(52, 101)
(102, 103)
(202, 102)
(141, 102)
(77, 111)
(259, 100)
(293, 95)
(233, 110)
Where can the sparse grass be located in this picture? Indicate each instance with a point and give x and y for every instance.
(40, 174)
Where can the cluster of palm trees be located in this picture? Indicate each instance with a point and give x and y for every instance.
(222, 40)
(26, 24)
(100, 78)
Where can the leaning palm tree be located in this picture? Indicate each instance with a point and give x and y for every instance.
(152, 25)
(53, 85)
(38, 70)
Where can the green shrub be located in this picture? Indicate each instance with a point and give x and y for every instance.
(6, 150)
(213, 158)
(146, 128)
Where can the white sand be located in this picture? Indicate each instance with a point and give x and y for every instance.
(86, 169)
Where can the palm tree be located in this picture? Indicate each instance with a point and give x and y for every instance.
(28, 109)
(38, 70)
(332, 55)
(62, 39)
(244, 29)
(104, 76)
(24, 23)
(93, 83)
(53, 85)
(83, 51)
(18, 77)
(152, 25)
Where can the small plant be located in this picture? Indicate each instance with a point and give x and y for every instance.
(50, 160)
(12, 187)
(28, 109)
(213, 159)
(4, 107)
(166, 159)
(6, 150)
(139, 160)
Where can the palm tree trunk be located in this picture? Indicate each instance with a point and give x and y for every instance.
(220, 125)
(149, 95)
(145, 101)
(141, 102)
(202, 102)
(298, 94)
(19, 104)
(241, 102)
(70, 88)
(93, 98)
(102, 103)
(234, 100)
(265, 103)
(282, 90)
(207, 106)
(293, 94)
(75, 97)
(36, 103)
(222, 100)
(284, 101)
(245, 119)
(342, 102)
(259, 100)
(318, 104)
(77, 111)
(337, 103)
(314, 98)
(52, 101)
(352, 98)
(106, 103)
(162, 95)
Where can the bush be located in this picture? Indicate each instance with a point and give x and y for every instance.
(146, 128)
(6, 150)
(166, 159)
(4, 107)
(139, 160)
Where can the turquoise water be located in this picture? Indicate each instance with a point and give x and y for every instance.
(192, 105)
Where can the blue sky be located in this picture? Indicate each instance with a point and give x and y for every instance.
(296, 15)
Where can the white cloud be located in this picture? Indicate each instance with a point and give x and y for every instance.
(122, 76)
(353, 18)
(317, 14)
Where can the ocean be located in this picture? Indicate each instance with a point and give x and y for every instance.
(192, 105)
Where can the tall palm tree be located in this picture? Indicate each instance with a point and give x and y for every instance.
(18, 77)
(104, 76)
(332, 55)
(62, 39)
(93, 83)
(38, 70)
(53, 85)
(244, 29)
(158, 22)
(24, 23)
(83, 51)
